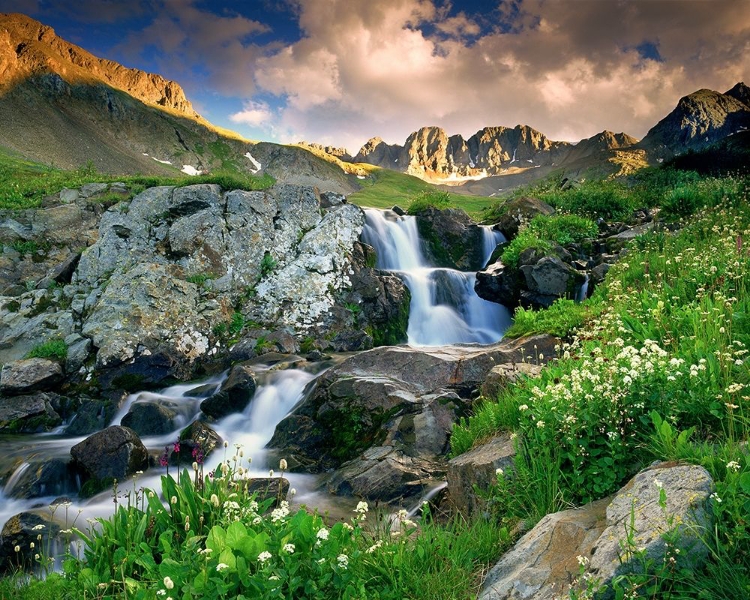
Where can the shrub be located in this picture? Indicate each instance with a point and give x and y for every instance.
(52, 349)
(563, 229)
(428, 199)
(525, 239)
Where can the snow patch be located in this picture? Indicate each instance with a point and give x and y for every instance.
(481, 175)
(361, 177)
(254, 162)
(164, 162)
(188, 170)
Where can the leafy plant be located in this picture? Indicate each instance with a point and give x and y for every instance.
(525, 240)
(55, 349)
(267, 264)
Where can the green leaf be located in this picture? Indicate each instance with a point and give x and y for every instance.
(745, 482)
(227, 557)
(217, 539)
(236, 532)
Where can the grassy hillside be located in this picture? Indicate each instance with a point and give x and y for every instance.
(25, 184)
(384, 188)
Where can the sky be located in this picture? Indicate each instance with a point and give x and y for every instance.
(338, 72)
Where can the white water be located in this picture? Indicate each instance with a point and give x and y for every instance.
(444, 308)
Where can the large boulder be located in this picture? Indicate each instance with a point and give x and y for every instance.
(610, 536)
(402, 399)
(499, 283)
(451, 239)
(549, 279)
(29, 375)
(115, 452)
(519, 211)
(234, 396)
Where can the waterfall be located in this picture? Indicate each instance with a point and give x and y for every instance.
(490, 240)
(444, 307)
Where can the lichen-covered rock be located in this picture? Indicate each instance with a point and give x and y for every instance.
(115, 452)
(609, 535)
(303, 291)
(29, 375)
(146, 306)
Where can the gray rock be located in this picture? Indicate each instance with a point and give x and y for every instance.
(235, 394)
(386, 474)
(79, 348)
(543, 562)
(477, 468)
(150, 418)
(29, 375)
(451, 238)
(91, 189)
(68, 195)
(331, 199)
(115, 452)
(412, 408)
(499, 283)
(552, 277)
(32, 413)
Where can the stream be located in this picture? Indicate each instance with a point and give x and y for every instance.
(444, 310)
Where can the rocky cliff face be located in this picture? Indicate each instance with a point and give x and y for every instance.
(431, 153)
(700, 119)
(29, 48)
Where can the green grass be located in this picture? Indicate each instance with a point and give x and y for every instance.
(53, 349)
(24, 184)
(385, 188)
(656, 367)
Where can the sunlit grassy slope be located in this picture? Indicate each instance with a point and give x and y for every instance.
(383, 188)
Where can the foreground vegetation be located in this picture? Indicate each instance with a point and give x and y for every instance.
(657, 369)
(25, 184)
(207, 537)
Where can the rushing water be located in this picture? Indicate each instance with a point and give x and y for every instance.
(444, 310)
(444, 307)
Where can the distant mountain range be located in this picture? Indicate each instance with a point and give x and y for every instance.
(699, 119)
(61, 105)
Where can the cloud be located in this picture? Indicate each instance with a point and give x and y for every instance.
(199, 47)
(567, 69)
(253, 114)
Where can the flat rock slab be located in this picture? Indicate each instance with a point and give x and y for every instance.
(543, 562)
(29, 375)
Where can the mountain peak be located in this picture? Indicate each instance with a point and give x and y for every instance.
(31, 49)
(741, 92)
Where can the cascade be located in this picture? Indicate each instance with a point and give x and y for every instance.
(444, 307)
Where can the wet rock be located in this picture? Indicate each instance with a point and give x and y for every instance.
(29, 375)
(51, 477)
(451, 238)
(150, 418)
(552, 277)
(234, 396)
(518, 211)
(499, 283)
(476, 469)
(354, 406)
(30, 413)
(92, 415)
(268, 487)
(543, 562)
(115, 452)
(386, 474)
(197, 441)
(20, 531)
